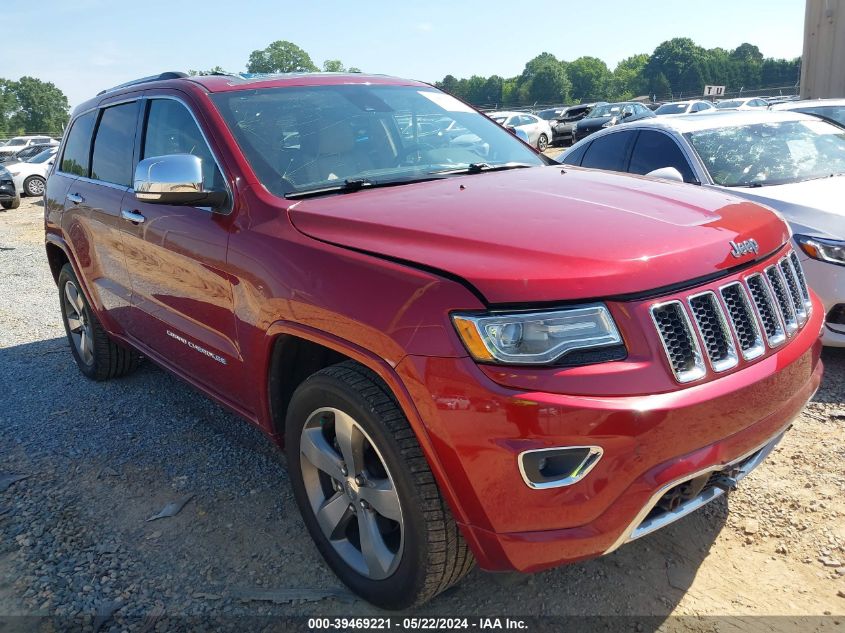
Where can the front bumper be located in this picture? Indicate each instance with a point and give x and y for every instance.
(478, 427)
(828, 281)
(7, 190)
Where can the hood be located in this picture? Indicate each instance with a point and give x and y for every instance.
(812, 207)
(594, 121)
(544, 235)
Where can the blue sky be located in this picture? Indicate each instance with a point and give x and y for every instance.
(87, 45)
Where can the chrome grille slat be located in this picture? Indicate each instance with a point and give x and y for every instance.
(769, 315)
(736, 322)
(791, 279)
(802, 282)
(743, 322)
(784, 301)
(679, 341)
(713, 328)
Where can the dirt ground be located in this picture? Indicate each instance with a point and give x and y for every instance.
(100, 459)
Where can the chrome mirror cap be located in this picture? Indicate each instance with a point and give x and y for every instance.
(174, 179)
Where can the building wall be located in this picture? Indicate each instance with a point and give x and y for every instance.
(823, 63)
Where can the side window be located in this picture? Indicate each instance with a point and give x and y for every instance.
(78, 145)
(655, 150)
(609, 152)
(170, 129)
(575, 156)
(114, 143)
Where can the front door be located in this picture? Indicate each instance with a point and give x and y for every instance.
(176, 258)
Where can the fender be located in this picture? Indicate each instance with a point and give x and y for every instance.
(388, 374)
(61, 243)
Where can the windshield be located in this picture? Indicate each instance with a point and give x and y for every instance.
(611, 109)
(672, 108)
(41, 157)
(308, 138)
(835, 113)
(770, 153)
(16, 141)
(733, 103)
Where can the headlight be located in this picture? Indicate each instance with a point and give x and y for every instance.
(536, 337)
(832, 251)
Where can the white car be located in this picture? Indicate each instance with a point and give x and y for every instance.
(30, 177)
(684, 107)
(751, 103)
(794, 163)
(538, 130)
(18, 143)
(831, 109)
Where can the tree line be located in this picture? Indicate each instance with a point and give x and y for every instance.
(30, 105)
(677, 67)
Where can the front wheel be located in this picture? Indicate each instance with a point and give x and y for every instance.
(542, 142)
(366, 493)
(34, 186)
(14, 203)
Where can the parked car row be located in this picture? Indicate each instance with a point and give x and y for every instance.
(537, 129)
(789, 161)
(18, 143)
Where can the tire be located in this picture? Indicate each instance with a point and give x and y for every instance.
(98, 357)
(542, 142)
(34, 186)
(422, 553)
(11, 204)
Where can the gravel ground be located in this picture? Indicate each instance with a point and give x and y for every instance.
(102, 458)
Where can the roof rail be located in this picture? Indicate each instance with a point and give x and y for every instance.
(143, 80)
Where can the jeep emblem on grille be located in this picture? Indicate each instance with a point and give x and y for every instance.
(738, 249)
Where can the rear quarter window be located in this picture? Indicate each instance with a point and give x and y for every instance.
(78, 146)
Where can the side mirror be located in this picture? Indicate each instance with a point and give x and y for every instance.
(667, 173)
(174, 179)
(626, 114)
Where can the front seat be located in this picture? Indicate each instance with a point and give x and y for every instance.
(336, 157)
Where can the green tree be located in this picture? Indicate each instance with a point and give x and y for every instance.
(333, 66)
(590, 79)
(217, 70)
(8, 105)
(543, 81)
(683, 65)
(748, 61)
(280, 57)
(40, 107)
(628, 78)
(353, 69)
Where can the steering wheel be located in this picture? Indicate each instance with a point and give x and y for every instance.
(405, 155)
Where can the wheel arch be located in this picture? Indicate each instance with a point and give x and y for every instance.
(303, 340)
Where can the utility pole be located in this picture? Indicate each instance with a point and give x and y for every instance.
(823, 62)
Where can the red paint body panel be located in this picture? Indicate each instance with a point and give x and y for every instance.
(535, 235)
(376, 274)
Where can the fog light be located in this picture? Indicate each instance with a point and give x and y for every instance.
(557, 467)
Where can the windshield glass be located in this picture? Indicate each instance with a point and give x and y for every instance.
(770, 153)
(733, 103)
(312, 137)
(42, 157)
(672, 108)
(835, 113)
(611, 109)
(16, 141)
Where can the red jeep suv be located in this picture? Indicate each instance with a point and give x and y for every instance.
(468, 352)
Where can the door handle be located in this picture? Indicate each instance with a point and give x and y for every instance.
(75, 198)
(132, 216)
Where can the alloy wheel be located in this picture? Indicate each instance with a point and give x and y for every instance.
(351, 493)
(78, 324)
(35, 187)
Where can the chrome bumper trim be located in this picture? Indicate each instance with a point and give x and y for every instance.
(640, 527)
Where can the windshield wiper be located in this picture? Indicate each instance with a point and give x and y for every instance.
(351, 185)
(477, 168)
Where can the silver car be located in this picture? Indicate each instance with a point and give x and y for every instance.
(538, 130)
(792, 162)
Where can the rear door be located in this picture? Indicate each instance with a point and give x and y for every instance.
(176, 257)
(93, 201)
